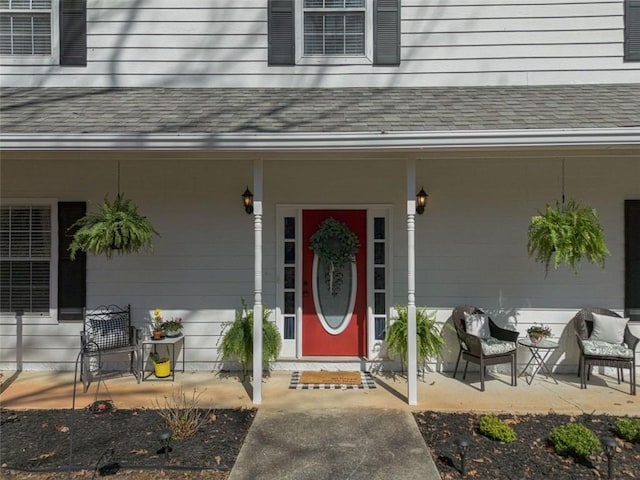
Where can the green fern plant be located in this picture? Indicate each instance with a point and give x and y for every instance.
(566, 235)
(115, 227)
(429, 338)
(237, 342)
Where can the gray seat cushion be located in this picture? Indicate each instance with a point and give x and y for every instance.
(606, 349)
(493, 346)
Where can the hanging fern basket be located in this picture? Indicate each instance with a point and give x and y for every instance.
(115, 227)
(566, 235)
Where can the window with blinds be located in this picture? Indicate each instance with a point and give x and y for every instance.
(25, 258)
(26, 27)
(334, 27)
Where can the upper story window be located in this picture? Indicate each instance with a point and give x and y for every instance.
(43, 32)
(334, 27)
(334, 32)
(28, 30)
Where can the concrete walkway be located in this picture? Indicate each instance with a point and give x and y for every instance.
(331, 434)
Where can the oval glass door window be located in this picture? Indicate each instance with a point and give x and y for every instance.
(334, 295)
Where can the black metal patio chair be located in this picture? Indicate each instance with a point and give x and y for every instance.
(107, 330)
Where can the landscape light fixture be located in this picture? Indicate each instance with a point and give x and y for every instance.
(247, 199)
(463, 443)
(164, 436)
(421, 201)
(610, 445)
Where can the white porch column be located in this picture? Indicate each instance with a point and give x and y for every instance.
(257, 296)
(412, 359)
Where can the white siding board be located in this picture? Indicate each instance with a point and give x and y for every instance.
(177, 15)
(512, 24)
(511, 11)
(199, 54)
(170, 41)
(178, 28)
(175, 4)
(563, 37)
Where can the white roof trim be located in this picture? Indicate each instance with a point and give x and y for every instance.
(323, 141)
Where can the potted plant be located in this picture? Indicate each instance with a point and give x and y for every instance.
(567, 234)
(161, 365)
(115, 227)
(173, 327)
(537, 333)
(429, 338)
(156, 324)
(237, 341)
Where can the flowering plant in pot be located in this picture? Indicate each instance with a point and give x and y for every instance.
(156, 324)
(537, 333)
(173, 327)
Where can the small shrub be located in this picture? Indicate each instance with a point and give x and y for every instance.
(495, 428)
(576, 440)
(628, 429)
(182, 414)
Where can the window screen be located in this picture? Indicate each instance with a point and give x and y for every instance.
(25, 27)
(334, 27)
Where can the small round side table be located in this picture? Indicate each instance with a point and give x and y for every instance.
(539, 353)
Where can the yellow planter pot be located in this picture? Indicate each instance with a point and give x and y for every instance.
(162, 368)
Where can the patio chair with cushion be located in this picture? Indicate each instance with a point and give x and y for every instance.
(483, 342)
(604, 340)
(107, 330)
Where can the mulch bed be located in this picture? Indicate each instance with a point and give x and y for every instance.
(37, 440)
(530, 457)
(120, 440)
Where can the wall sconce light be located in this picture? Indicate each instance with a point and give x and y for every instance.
(421, 201)
(247, 199)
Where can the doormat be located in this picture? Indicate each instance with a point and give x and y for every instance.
(331, 381)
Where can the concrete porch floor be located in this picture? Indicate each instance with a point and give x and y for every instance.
(438, 391)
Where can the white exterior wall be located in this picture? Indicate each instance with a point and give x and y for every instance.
(470, 243)
(223, 43)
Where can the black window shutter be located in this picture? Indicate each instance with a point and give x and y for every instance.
(632, 258)
(386, 32)
(632, 30)
(72, 274)
(281, 32)
(73, 32)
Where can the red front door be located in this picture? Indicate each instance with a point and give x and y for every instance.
(334, 311)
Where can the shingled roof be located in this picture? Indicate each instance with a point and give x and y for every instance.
(218, 111)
